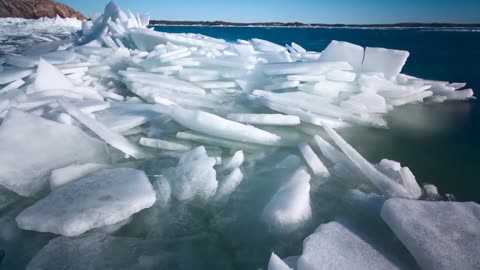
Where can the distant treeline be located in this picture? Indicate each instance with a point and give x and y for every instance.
(298, 24)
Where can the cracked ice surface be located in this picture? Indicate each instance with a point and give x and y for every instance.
(197, 153)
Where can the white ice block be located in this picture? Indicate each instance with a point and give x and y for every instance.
(31, 147)
(164, 144)
(50, 78)
(344, 52)
(386, 61)
(228, 185)
(276, 263)
(266, 119)
(440, 235)
(384, 183)
(290, 206)
(62, 176)
(109, 136)
(103, 198)
(315, 164)
(335, 246)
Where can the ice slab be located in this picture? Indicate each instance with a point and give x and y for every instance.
(440, 235)
(229, 184)
(386, 61)
(265, 119)
(344, 52)
(100, 251)
(276, 263)
(315, 164)
(194, 176)
(102, 198)
(384, 183)
(31, 147)
(109, 136)
(62, 176)
(290, 206)
(50, 78)
(334, 246)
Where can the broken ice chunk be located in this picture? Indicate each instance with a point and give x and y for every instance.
(100, 251)
(166, 145)
(290, 206)
(8, 76)
(214, 125)
(313, 161)
(304, 67)
(112, 138)
(388, 62)
(384, 183)
(345, 52)
(341, 76)
(235, 161)
(50, 78)
(228, 185)
(62, 176)
(335, 246)
(266, 119)
(194, 176)
(440, 235)
(31, 147)
(102, 198)
(276, 263)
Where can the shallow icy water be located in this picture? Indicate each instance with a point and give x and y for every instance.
(440, 142)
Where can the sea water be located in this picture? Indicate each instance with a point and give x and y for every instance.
(439, 142)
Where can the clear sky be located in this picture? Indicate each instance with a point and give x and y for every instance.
(308, 11)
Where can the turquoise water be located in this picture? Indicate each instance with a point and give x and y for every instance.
(439, 142)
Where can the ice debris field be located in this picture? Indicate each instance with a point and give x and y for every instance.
(126, 148)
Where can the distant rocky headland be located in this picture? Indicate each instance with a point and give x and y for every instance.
(299, 24)
(35, 9)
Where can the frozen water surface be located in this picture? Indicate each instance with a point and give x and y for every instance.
(126, 148)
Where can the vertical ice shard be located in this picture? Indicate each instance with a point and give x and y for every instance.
(31, 147)
(384, 183)
(343, 51)
(50, 78)
(389, 62)
(276, 263)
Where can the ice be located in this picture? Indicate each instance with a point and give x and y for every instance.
(214, 125)
(381, 181)
(388, 62)
(228, 185)
(62, 176)
(335, 246)
(194, 176)
(304, 67)
(265, 119)
(8, 76)
(102, 198)
(341, 76)
(100, 251)
(165, 145)
(112, 138)
(235, 161)
(343, 51)
(276, 263)
(31, 147)
(315, 164)
(50, 78)
(290, 207)
(440, 235)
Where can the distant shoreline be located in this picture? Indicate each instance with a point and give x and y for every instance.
(315, 25)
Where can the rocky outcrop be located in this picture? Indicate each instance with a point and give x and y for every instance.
(34, 9)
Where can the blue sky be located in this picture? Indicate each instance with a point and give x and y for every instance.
(309, 11)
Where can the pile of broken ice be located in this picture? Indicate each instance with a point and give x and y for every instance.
(148, 150)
